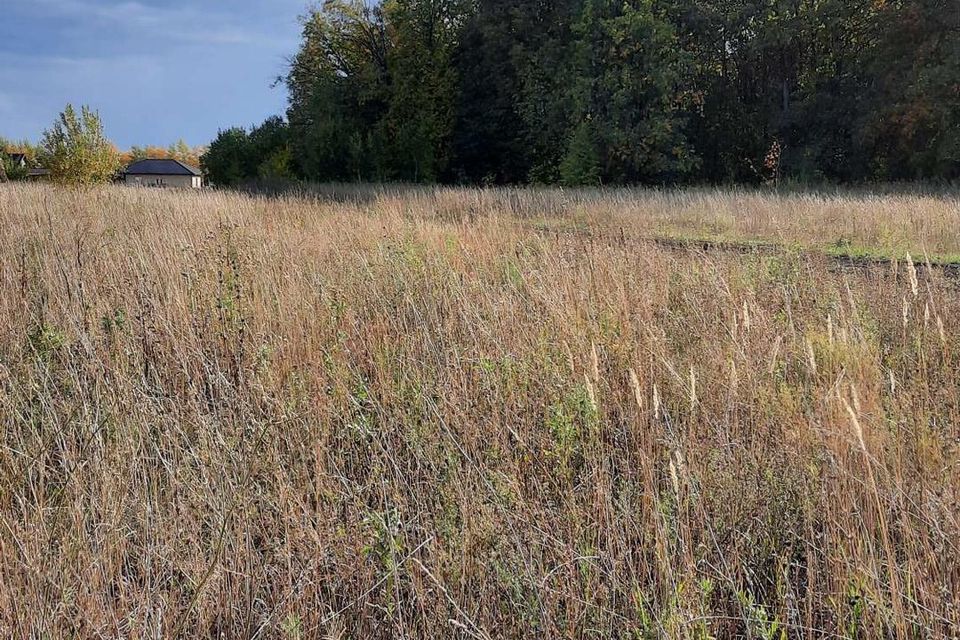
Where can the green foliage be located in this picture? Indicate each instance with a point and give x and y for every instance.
(269, 146)
(138, 153)
(9, 170)
(181, 151)
(227, 161)
(581, 164)
(911, 128)
(570, 422)
(626, 75)
(588, 92)
(238, 156)
(30, 150)
(292, 627)
(763, 622)
(45, 339)
(419, 116)
(76, 151)
(372, 90)
(487, 143)
(338, 92)
(277, 165)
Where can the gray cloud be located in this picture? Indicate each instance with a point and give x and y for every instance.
(189, 23)
(156, 74)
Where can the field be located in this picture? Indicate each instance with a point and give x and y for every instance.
(479, 414)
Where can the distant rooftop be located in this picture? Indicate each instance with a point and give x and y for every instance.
(161, 167)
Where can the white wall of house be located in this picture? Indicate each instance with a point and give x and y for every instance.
(182, 182)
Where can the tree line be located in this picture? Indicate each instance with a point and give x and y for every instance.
(586, 92)
(75, 150)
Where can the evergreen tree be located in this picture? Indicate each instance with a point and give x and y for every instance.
(546, 44)
(581, 164)
(487, 141)
(418, 123)
(627, 74)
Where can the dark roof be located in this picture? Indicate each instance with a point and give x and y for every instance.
(38, 173)
(165, 167)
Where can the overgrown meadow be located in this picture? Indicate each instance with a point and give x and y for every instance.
(478, 414)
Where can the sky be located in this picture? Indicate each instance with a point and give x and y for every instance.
(157, 70)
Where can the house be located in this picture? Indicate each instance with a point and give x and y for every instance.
(162, 173)
(18, 160)
(23, 166)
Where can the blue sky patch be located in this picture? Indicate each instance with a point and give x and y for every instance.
(157, 71)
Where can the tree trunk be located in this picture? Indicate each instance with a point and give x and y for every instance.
(3, 172)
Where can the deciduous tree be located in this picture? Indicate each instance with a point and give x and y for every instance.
(613, 92)
(76, 151)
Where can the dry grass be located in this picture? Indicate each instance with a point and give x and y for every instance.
(429, 415)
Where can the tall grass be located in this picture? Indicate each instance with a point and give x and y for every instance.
(434, 414)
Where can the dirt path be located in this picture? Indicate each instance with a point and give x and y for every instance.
(707, 246)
